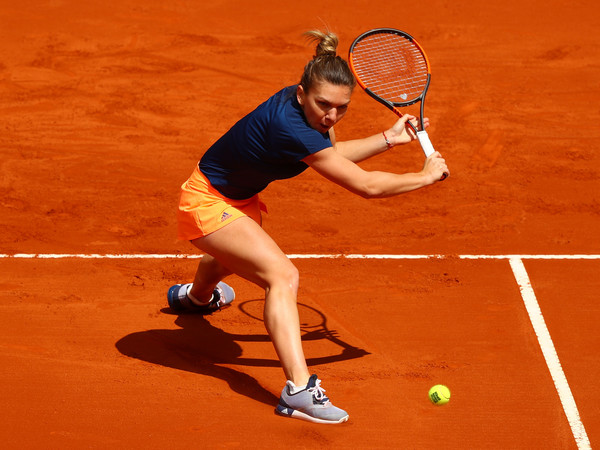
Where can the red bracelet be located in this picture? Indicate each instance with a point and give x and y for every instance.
(387, 142)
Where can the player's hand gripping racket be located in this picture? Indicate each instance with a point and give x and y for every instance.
(393, 69)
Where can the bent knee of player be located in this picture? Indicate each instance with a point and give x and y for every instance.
(284, 278)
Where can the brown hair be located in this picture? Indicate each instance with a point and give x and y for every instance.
(326, 65)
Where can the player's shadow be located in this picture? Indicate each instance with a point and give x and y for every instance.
(202, 348)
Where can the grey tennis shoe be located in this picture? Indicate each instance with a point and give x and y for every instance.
(180, 301)
(309, 404)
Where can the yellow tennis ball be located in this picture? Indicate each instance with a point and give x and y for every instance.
(439, 394)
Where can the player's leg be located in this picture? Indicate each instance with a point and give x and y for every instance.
(244, 248)
(209, 273)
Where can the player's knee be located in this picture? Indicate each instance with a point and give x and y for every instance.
(291, 277)
(286, 276)
(294, 278)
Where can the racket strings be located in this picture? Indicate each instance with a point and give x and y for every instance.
(390, 66)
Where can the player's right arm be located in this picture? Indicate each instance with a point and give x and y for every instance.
(373, 184)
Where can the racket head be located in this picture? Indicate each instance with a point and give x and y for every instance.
(391, 66)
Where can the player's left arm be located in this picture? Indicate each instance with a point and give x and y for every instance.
(357, 150)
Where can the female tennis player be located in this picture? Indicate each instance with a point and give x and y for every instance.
(220, 211)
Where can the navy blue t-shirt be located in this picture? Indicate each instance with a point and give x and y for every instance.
(266, 145)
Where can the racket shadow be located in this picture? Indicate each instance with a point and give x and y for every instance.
(199, 347)
(314, 327)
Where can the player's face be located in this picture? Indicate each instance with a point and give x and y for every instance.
(324, 104)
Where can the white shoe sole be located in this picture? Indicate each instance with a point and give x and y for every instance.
(294, 413)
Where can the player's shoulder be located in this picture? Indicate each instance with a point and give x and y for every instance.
(281, 98)
(285, 111)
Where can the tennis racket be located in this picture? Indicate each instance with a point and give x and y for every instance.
(393, 69)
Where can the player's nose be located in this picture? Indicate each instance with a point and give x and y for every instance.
(331, 116)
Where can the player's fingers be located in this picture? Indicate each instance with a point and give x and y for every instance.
(409, 125)
(445, 171)
(414, 120)
(437, 166)
(406, 118)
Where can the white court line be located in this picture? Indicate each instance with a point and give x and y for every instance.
(550, 355)
(291, 256)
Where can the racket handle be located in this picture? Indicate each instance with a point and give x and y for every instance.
(427, 147)
(426, 144)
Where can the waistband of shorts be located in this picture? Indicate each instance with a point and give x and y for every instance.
(199, 177)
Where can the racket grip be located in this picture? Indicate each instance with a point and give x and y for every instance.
(427, 147)
(426, 144)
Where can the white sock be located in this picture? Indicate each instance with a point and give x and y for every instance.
(195, 300)
(294, 388)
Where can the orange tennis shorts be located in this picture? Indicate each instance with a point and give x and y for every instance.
(204, 210)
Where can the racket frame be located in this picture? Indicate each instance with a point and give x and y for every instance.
(421, 134)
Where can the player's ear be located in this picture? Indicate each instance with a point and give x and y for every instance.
(300, 94)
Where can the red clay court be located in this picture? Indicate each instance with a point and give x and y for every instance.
(487, 283)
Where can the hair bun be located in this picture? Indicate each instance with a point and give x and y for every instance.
(326, 42)
(326, 65)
